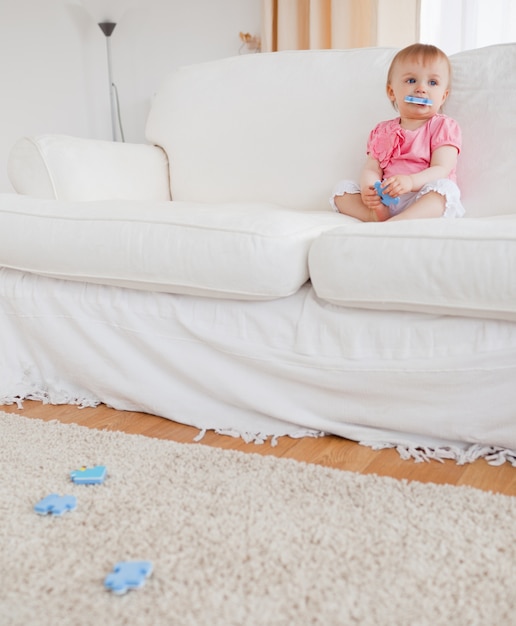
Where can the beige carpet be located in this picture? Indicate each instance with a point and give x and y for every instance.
(240, 539)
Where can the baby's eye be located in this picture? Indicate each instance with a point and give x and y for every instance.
(411, 81)
(433, 83)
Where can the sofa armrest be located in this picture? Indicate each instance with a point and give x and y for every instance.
(72, 168)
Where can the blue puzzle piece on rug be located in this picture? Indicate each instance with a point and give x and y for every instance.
(55, 504)
(89, 475)
(385, 197)
(128, 575)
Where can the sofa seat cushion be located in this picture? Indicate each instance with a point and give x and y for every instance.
(251, 251)
(455, 267)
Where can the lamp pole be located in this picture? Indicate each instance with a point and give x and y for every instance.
(107, 28)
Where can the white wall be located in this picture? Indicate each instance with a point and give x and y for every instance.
(53, 64)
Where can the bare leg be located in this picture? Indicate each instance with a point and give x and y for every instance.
(351, 204)
(432, 204)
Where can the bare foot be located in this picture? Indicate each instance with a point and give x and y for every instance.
(382, 213)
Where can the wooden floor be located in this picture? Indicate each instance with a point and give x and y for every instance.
(330, 451)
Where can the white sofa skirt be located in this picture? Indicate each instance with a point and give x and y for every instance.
(291, 366)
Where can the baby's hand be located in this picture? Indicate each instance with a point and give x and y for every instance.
(397, 185)
(370, 198)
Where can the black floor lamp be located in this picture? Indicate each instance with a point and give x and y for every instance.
(116, 120)
(106, 14)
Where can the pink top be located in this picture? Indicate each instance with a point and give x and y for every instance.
(401, 151)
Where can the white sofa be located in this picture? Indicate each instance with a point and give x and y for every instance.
(204, 277)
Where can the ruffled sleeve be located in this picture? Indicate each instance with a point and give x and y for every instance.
(445, 132)
(385, 141)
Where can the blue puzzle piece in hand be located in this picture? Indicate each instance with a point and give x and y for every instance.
(128, 575)
(89, 475)
(55, 504)
(385, 197)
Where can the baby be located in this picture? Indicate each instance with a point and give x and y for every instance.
(414, 155)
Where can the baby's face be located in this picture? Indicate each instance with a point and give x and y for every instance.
(413, 78)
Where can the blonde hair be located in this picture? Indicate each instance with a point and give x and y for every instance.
(420, 51)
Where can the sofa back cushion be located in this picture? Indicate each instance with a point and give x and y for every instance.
(483, 101)
(278, 127)
(283, 127)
